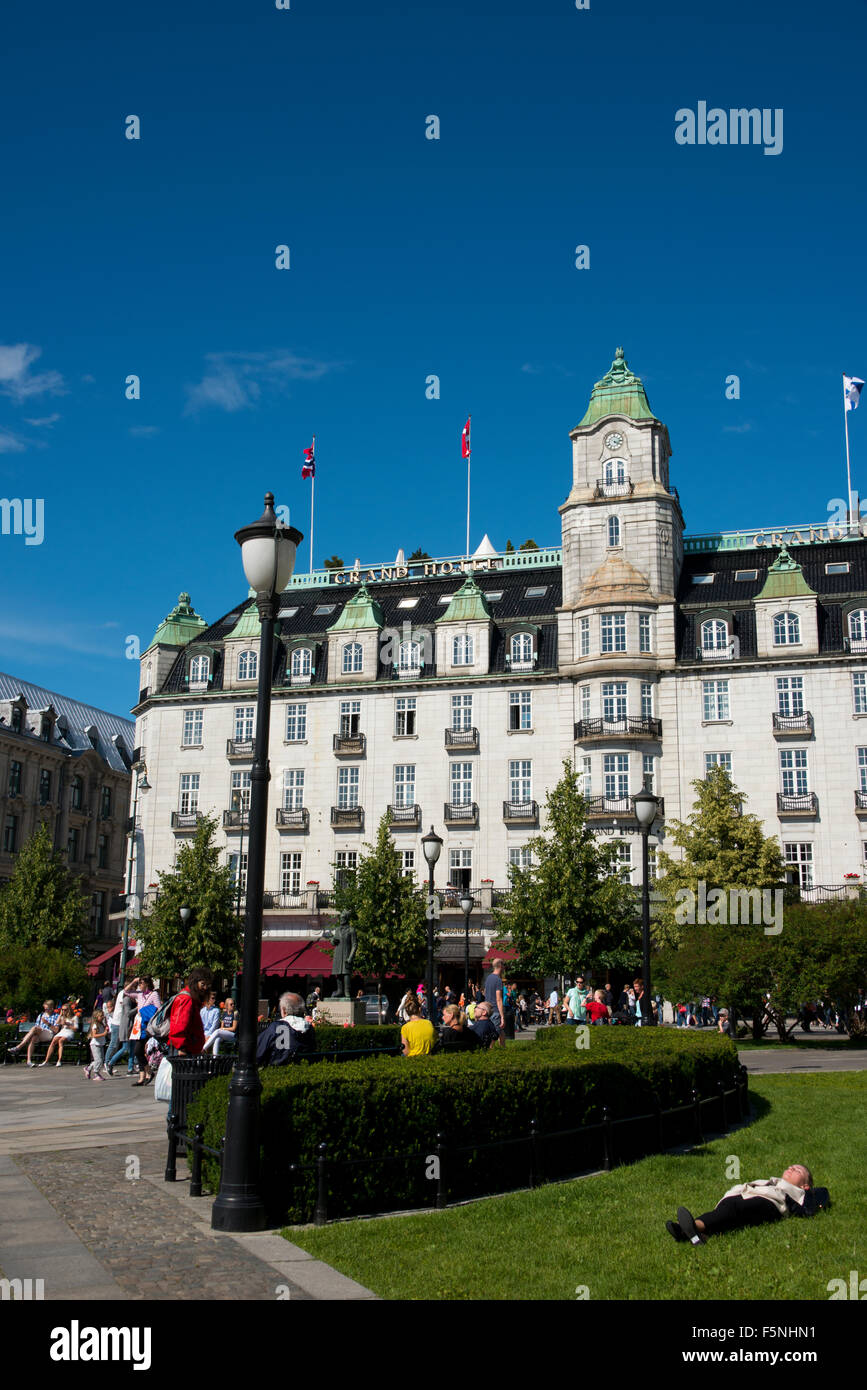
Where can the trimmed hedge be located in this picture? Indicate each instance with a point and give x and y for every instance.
(329, 1037)
(382, 1116)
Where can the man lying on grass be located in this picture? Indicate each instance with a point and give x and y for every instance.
(751, 1203)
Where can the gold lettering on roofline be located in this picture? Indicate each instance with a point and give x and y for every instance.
(384, 574)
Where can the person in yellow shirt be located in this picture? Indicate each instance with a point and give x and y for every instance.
(418, 1035)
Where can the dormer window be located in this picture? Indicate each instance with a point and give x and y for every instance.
(17, 719)
(521, 652)
(787, 629)
(857, 629)
(248, 666)
(45, 728)
(613, 532)
(409, 658)
(301, 666)
(200, 670)
(714, 635)
(462, 650)
(353, 658)
(93, 734)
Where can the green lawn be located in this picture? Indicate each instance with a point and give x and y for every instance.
(607, 1232)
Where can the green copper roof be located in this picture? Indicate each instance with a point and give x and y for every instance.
(181, 625)
(785, 579)
(248, 625)
(469, 605)
(619, 392)
(360, 611)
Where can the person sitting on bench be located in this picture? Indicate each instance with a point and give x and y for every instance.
(751, 1203)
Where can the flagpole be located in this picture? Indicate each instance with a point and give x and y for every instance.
(469, 458)
(312, 497)
(848, 466)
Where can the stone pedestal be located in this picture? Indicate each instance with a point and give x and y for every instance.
(342, 1011)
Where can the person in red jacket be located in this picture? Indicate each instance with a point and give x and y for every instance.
(186, 1034)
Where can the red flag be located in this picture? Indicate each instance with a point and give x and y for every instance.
(465, 439)
(308, 468)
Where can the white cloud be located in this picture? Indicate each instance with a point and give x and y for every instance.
(144, 431)
(737, 429)
(45, 420)
(236, 380)
(71, 639)
(16, 379)
(10, 443)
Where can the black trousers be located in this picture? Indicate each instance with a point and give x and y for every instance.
(735, 1212)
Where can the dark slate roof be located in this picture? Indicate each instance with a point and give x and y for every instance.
(77, 717)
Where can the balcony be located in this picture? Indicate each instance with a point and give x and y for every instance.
(461, 813)
(611, 488)
(302, 678)
(404, 817)
(861, 803)
(793, 725)
(805, 804)
(349, 745)
(406, 673)
(239, 748)
(630, 726)
(726, 653)
(236, 820)
(521, 812)
(462, 740)
(347, 817)
(856, 645)
(516, 664)
(295, 818)
(605, 807)
(186, 821)
(271, 900)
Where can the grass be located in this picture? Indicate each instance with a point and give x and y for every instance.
(607, 1233)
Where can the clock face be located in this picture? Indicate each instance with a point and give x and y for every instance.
(613, 441)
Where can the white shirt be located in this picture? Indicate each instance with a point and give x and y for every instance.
(554, 998)
(117, 1012)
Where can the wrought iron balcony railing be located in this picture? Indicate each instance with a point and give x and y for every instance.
(612, 488)
(349, 745)
(520, 812)
(462, 740)
(604, 807)
(292, 818)
(860, 803)
(793, 725)
(404, 817)
(236, 819)
(460, 813)
(630, 726)
(239, 748)
(347, 817)
(804, 804)
(185, 820)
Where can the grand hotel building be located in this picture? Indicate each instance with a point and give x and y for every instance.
(451, 691)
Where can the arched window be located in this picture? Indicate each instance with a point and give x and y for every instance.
(615, 472)
(521, 647)
(858, 625)
(714, 635)
(200, 667)
(301, 662)
(462, 650)
(613, 530)
(787, 629)
(248, 666)
(409, 656)
(352, 658)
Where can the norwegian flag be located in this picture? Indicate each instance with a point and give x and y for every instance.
(308, 468)
(465, 439)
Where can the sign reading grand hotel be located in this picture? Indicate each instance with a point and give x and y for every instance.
(420, 569)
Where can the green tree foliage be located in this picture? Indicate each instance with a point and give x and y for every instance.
(510, 549)
(31, 974)
(528, 545)
(335, 563)
(722, 847)
(570, 910)
(42, 904)
(418, 555)
(388, 910)
(212, 936)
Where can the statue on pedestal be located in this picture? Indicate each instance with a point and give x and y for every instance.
(345, 942)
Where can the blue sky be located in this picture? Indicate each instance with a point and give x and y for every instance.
(409, 257)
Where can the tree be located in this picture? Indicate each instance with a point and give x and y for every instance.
(42, 904)
(510, 549)
(570, 910)
(29, 974)
(387, 908)
(335, 563)
(418, 555)
(722, 848)
(528, 545)
(212, 936)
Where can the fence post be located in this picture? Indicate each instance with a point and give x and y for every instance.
(320, 1211)
(721, 1087)
(607, 1139)
(441, 1171)
(697, 1111)
(171, 1172)
(196, 1165)
(534, 1155)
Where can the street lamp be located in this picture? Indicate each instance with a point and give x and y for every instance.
(141, 785)
(185, 913)
(268, 556)
(466, 908)
(646, 807)
(238, 805)
(431, 845)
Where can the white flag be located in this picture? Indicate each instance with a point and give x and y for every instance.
(852, 391)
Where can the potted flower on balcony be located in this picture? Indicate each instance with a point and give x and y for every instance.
(853, 885)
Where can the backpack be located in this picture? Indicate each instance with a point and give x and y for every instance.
(159, 1025)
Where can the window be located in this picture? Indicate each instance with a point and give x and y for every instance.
(520, 857)
(17, 719)
(520, 780)
(76, 795)
(353, 659)
(462, 712)
(613, 700)
(189, 800)
(14, 788)
(644, 632)
(715, 696)
(651, 864)
(296, 723)
(407, 603)
(714, 635)
(404, 784)
(586, 777)
(200, 668)
(290, 872)
(97, 914)
(647, 699)
(787, 629)
(585, 701)
(407, 863)
(462, 650)
(73, 847)
(322, 609)
(446, 598)
(409, 656)
(287, 612)
(858, 625)
(461, 869)
(301, 661)
(248, 666)
(520, 709)
(521, 647)
(862, 769)
(350, 718)
(240, 791)
(615, 770)
(647, 771)
(105, 803)
(800, 857)
(101, 851)
(347, 788)
(192, 736)
(613, 531)
(842, 568)
(790, 695)
(10, 835)
(493, 595)
(742, 575)
(45, 729)
(614, 471)
(623, 862)
(793, 769)
(712, 760)
(404, 716)
(346, 862)
(245, 716)
(293, 789)
(537, 591)
(238, 866)
(584, 635)
(461, 784)
(702, 578)
(859, 691)
(614, 632)
(44, 786)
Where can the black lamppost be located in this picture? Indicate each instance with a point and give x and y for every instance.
(238, 805)
(141, 785)
(431, 845)
(268, 556)
(466, 909)
(646, 810)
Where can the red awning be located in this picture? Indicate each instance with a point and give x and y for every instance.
(294, 958)
(93, 965)
(500, 953)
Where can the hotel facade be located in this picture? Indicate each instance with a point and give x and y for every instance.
(450, 691)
